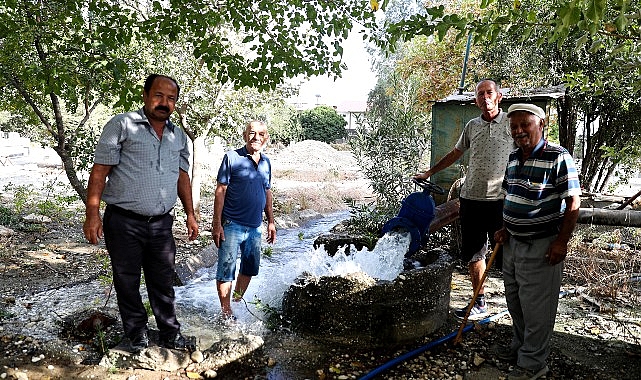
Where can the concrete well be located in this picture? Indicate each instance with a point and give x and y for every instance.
(358, 309)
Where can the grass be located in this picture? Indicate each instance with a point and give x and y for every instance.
(323, 198)
(611, 274)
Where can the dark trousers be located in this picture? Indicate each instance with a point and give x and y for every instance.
(479, 221)
(134, 244)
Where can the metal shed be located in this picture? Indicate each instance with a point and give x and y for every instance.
(450, 115)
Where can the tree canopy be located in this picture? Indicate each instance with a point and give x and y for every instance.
(59, 61)
(612, 27)
(322, 123)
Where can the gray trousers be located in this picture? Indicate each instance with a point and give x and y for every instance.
(532, 294)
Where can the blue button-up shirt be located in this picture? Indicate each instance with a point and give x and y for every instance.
(144, 177)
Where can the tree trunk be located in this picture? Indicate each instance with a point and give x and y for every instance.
(200, 155)
(600, 216)
(72, 174)
(567, 112)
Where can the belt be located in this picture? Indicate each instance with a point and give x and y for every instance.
(134, 215)
(530, 239)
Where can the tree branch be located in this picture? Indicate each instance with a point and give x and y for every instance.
(15, 82)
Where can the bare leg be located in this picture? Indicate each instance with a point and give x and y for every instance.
(477, 269)
(242, 282)
(224, 294)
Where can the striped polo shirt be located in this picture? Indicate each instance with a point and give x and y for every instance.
(535, 189)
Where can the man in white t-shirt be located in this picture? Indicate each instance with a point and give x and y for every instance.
(489, 142)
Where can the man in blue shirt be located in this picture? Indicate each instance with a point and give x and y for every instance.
(146, 159)
(542, 199)
(243, 192)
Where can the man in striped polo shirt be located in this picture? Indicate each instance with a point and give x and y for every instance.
(541, 207)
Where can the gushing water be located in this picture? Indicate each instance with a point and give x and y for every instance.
(293, 255)
(198, 308)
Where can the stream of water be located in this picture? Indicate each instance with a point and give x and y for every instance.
(293, 254)
(197, 302)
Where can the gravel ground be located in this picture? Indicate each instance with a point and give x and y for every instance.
(597, 335)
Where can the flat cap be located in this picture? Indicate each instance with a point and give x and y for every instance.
(531, 108)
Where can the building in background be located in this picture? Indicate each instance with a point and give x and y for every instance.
(353, 112)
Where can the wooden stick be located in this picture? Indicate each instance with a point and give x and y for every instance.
(457, 340)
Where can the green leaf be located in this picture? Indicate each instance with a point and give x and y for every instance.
(621, 22)
(620, 48)
(582, 40)
(486, 3)
(595, 46)
(595, 10)
(569, 14)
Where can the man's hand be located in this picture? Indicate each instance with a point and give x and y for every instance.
(217, 233)
(271, 233)
(557, 251)
(192, 227)
(92, 228)
(501, 236)
(425, 175)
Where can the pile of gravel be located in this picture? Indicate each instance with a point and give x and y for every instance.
(315, 154)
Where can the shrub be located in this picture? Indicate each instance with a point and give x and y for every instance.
(323, 123)
(389, 145)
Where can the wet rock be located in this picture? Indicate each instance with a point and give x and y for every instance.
(154, 358)
(186, 267)
(86, 323)
(226, 351)
(357, 309)
(333, 241)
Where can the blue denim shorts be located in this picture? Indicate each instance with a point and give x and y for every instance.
(238, 238)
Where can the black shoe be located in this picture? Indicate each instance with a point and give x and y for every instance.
(505, 354)
(179, 342)
(138, 342)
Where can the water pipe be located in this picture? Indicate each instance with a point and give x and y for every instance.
(461, 87)
(411, 354)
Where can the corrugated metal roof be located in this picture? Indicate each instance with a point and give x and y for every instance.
(553, 92)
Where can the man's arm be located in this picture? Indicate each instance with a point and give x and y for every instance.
(184, 193)
(269, 213)
(443, 163)
(92, 226)
(559, 247)
(217, 232)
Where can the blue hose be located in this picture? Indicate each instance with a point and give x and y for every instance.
(411, 354)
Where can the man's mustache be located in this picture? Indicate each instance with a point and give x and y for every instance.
(161, 108)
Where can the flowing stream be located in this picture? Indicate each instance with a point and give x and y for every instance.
(293, 254)
(198, 308)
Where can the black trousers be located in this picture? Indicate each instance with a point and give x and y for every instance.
(138, 244)
(479, 221)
